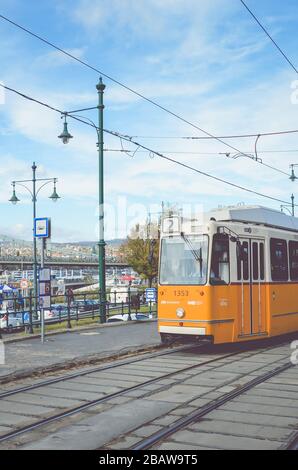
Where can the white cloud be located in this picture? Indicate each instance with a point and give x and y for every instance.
(129, 13)
(155, 89)
(197, 70)
(256, 109)
(57, 59)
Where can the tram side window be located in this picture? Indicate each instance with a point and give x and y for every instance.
(262, 262)
(293, 250)
(242, 262)
(220, 262)
(279, 259)
(255, 254)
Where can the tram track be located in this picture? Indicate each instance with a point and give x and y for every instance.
(293, 444)
(85, 406)
(196, 416)
(91, 403)
(94, 370)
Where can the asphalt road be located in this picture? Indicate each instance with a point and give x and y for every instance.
(31, 354)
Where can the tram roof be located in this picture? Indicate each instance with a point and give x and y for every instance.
(255, 215)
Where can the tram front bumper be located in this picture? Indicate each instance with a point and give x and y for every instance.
(182, 330)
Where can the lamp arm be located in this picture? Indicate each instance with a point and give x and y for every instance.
(256, 150)
(285, 207)
(88, 119)
(24, 186)
(53, 180)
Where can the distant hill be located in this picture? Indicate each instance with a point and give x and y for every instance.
(7, 239)
(115, 242)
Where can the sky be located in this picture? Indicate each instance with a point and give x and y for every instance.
(206, 60)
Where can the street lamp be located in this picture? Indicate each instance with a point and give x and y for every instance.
(54, 195)
(65, 136)
(34, 192)
(292, 206)
(293, 177)
(14, 198)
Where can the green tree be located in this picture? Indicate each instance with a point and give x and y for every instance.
(142, 254)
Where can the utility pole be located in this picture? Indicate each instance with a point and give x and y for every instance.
(42, 329)
(101, 243)
(65, 136)
(34, 242)
(293, 178)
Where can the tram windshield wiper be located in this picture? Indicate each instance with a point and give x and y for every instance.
(197, 254)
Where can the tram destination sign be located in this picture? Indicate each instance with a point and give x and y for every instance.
(171, 225)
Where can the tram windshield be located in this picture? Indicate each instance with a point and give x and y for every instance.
(184, 260)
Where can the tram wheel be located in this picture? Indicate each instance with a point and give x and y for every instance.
(166, 339)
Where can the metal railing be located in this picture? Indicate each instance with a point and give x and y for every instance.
(64, 259)
(18, 314)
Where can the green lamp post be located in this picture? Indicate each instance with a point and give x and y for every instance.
(34, 192)
(65, 136)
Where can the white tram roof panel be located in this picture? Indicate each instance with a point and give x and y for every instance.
(255, 215)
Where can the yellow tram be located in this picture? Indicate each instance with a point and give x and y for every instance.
(230, 277)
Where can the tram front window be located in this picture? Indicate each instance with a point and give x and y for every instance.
(220, 261)
(184, 260)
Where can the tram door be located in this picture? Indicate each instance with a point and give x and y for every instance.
(251, 274)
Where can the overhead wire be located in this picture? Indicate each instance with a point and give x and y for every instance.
(140, 95)
(206, 154)
(235, 136)
(269, 36)
(141, 146)
(23, 95)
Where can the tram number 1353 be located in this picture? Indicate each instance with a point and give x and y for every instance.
(180, 293)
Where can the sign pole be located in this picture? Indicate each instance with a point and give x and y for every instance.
(42, 229)
(42, 309)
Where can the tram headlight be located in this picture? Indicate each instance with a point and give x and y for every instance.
(180, 312)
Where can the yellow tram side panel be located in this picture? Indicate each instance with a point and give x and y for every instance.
(224, 311)
(283, 307)
(205, 307)
(250, 323)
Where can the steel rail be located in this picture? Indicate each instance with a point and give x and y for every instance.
(293, 443)
(196, 416)
(80, 408)
(74, 375)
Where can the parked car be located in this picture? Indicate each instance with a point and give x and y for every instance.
(85, 305)
(125, 317)
(8, 321)
(48, 314)
(60, 310)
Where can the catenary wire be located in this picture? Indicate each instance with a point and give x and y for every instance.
(207, 154)
(159, 154)
(151, 151)
(23, 95)
(239, 136)
(269, 36)
(86, 64)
